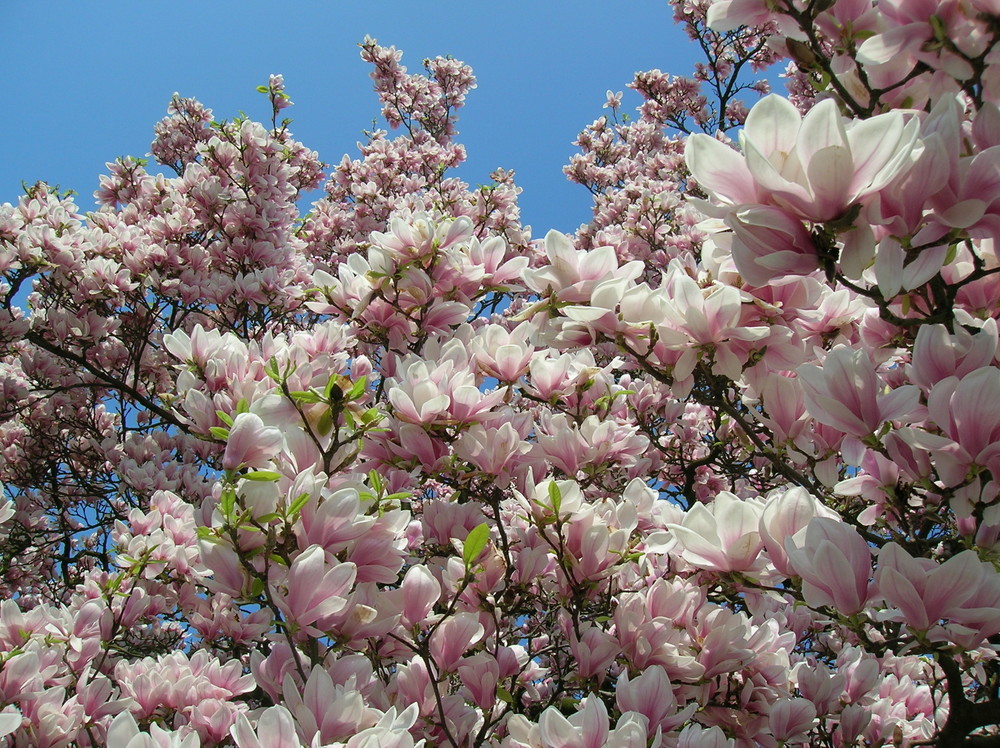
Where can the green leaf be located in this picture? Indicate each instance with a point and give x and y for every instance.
(357, 389)
(296, 506)
(555, 497)
(504, 695)
(272, 369)
(114, 583)
(940, 29)
(227, 502)
(375, 481)
(242, 406)
(256, 587)
(475, 542)
(305, 396)
(263, 89)
(264, 476)
(225, 417)
(325, 423)
(219, 433)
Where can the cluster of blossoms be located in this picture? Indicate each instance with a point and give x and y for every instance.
(720, 470)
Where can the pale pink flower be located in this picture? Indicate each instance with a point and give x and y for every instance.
(391, 731)
(594, 651)
(721, 536)
(124, 733)
(786, 516)
(769, 243)
(316, 590)
(697, 736)
(587, 728)
(791, 719)
(10, 720)
(479, 674)
(455, 636)
(251, 443)
(651, 695)
(421, 591)
(275, 729)
(572, 274)
(924, 591)
(847, 394)
(834, 563)
(965, 410)
(938, 355)
(815, 167)
(326, 710)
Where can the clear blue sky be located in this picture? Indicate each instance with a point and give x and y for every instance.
(87, 81)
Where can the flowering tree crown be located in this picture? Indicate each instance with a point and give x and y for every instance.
(719, 470)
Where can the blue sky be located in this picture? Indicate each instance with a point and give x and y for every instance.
(87, 81)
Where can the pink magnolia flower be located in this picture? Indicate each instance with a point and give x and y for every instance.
(791, 719)
(964, 409)
(834, 563)
(651, 694)
(722, 536)
(924, 591)
(326, 710)
(391, 731)
(769, 243)
(938, 355)
(697, 736)
(275, 729)
(573, 274)
(421, 591)
(10, 720)
(786, 516)
(479, 674)
(594, 651)
(587, 728)
(713, 319)
(815, 167)
(316, 590)
(453, 638)
(124, 733)
(251, 443)
(846, 393)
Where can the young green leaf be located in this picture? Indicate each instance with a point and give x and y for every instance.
(475, 542)
(555, 497)
(219, 433)
(296, 506)
(264, 476)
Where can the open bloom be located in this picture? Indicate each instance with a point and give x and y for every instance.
(722, 536)
(847, 394)
(923, 590)
(251, 442)
(834, 563)
(814, 167)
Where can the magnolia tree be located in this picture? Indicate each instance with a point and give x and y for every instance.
(719, 470)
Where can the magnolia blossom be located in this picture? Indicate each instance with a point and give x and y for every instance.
(814, 167)
(834, 563)
(926, 592)
(250, 442)
(723, 536)
(846, 393)
(394, 474)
